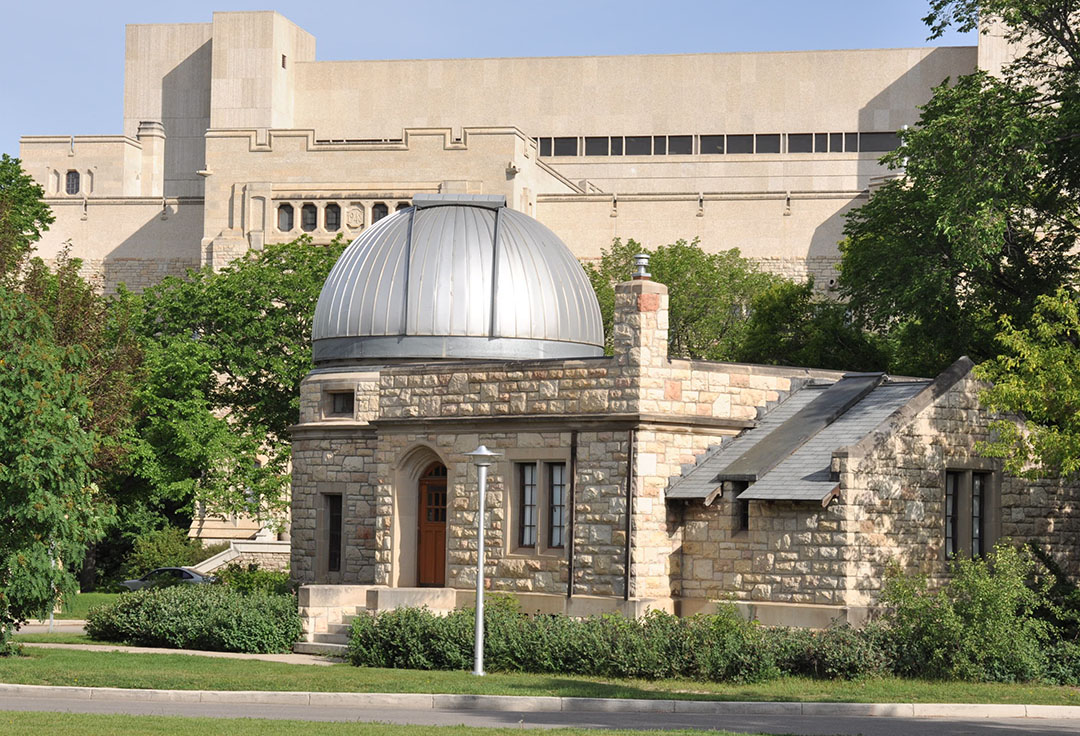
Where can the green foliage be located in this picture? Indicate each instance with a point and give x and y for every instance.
(710, 294)
(250, 579)
(981, 626)
(167, 547)
(720, 647)
(1037, 380)
(973, 230)
(23, 217)
(49, 507)
(211, 617)
(789, 325)
(226, 353)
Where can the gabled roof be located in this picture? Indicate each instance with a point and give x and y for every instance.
(788, 454)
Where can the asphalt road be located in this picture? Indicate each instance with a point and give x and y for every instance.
(817, 725)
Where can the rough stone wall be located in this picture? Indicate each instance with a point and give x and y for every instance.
(265, 561)
(137, 274)
(896, 495)
(792, 552)
(345, 465)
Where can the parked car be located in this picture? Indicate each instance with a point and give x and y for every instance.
(165, 576)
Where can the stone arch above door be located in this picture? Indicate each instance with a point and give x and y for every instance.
(409, 469)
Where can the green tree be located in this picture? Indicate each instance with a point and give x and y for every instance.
(1037, 381)
(50, 508)
(23, 216)
(226, 352)
(710, 294)
(790, 325)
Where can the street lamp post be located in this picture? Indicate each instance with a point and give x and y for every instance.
(482, 457)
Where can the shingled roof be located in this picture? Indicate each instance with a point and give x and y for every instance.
(788, 455)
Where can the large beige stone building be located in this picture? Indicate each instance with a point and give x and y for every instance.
(235, 136)
(624, 482)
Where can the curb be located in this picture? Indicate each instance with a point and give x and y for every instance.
(523, 704)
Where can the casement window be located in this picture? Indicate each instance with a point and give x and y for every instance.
(540, 505)
(971, 512)
(379, 210)
(333, 532)
(71, 182)
(309, 218)
(285, 218)
(332, 218)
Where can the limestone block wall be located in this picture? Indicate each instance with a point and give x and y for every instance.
(792, 552)
(334, 461)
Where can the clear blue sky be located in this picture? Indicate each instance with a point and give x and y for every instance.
(63, 62)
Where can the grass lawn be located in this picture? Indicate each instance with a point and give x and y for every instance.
(187, 672)
(15, 723)
(58, 637)
(78, 605)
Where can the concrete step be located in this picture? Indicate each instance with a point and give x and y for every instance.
(318, 647)
(332, 637)
(338, 629)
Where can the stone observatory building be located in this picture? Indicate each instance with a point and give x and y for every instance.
(626, 481)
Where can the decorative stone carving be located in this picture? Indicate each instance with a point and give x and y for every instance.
(354, 218)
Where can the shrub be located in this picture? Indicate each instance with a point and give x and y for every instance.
(168, 547)
(721, 646)
(981, 626)
(250, 579)
(208, 617)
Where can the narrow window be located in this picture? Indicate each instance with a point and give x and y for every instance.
(659, 145)
(821, 142)
(545, 146)
(332, 217)
(616, 146)
(978, 493)
(284, 217)
(851, 142)
(952, 498)
(379, 211)
(283, 61)
(342, 403)
(556, 504)
(878, 142)
(566, 147)
(769, 143)
(638, 145)
(680, 145)
(596, 146)
(402, 206)
(836, 142)
(71, 182)
(527, 506)
(800, 143)
(309, 217)
(740, 144)
(333, 532)
(712, 144)
(741, 506)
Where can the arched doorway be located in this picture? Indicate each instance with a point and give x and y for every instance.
(431, 528)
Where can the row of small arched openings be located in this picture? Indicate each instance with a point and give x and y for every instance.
(331, 216)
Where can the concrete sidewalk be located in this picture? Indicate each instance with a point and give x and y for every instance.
(311, 659)
(531, 704)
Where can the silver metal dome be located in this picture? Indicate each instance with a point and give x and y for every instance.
(457, 277)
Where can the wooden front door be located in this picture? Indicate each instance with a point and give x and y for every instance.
(431, 536)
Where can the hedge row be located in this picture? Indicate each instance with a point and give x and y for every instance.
(211, 617)
(996, 620)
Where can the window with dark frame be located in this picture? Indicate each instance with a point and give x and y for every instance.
(285, 217)
(342, 403)
(967, 508)
(800, 143)
(638, 145)
(767, 143)
(596, 146)
(333, 532)
(616, 146)
(712, 144)
(332, 218)
(402, 206)
(821, 142)
(556, 504)
(836, 142)
(71, 182)
(527, 505)
(379, 210)
(566, 146)
(851, 142)
(680, 145)
(309, 217)
(659, 143)
(545, 146)
(740, 144)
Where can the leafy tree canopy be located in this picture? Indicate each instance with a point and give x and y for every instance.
(980, 223)
(1038, 378)
(23, 216)
(709, 299)
(49, 507)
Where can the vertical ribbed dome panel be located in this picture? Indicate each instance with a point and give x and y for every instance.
(456, 276)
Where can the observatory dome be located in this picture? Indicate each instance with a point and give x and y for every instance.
(458, 277)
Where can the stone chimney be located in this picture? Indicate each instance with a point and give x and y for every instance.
(152, 176)
(640, 332)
